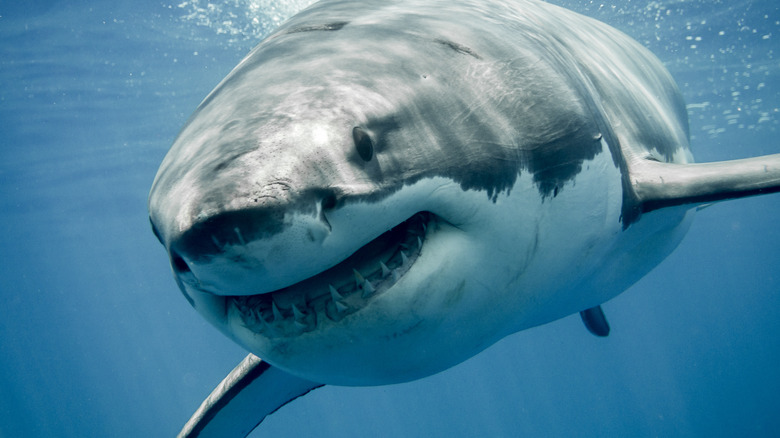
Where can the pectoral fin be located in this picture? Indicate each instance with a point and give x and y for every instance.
(658, 185)
(253, 390)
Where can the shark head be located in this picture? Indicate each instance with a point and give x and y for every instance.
(357, 212)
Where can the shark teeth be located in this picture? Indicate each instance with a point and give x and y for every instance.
(385, 269)
(240, 236)
(368, 289)
(359, 280)
(293, 310)
(275, 310)
(334, 294)
(341, 307)
(297, 313)
(337, 299)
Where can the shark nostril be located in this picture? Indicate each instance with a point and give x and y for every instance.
(178, 263)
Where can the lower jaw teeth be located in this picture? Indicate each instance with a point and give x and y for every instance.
(295, 310)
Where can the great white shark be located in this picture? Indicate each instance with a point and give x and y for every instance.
(382, 189)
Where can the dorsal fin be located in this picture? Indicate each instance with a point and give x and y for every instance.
(658, 185)
(253, 390)
(595, 321)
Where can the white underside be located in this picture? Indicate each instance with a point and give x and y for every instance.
(492, 269)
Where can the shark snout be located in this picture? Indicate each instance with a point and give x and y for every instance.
(195, 253)
(249, 251)
(214, 235)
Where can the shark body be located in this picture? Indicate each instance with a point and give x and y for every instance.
(382, 189)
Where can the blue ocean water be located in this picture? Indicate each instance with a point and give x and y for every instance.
(96, 340)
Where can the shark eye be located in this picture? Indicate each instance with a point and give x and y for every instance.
(363, 144)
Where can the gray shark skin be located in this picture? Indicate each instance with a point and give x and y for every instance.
(382, 189)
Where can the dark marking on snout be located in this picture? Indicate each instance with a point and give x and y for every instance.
(457, 47)
(210, 236)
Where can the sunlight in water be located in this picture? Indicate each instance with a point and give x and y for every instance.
(241, 19)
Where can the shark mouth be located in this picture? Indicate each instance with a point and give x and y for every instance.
(341, 290)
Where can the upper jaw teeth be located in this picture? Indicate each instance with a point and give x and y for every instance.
(335, 293)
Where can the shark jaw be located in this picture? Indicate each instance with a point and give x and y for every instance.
(345, 324)
(341, 290)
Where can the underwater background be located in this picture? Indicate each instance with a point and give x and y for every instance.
(97, 341)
